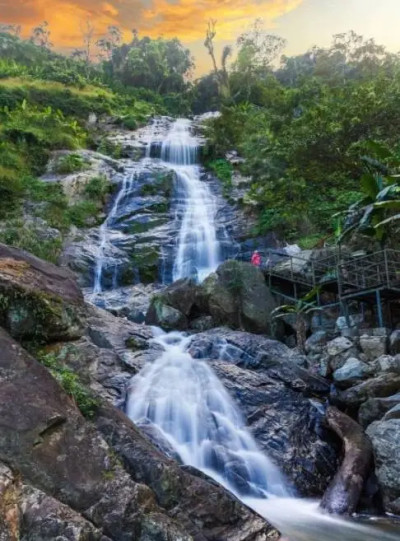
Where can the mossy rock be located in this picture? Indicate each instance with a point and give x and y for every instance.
(147, 260)
(38, 300)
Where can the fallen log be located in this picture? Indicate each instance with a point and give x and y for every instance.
(343, 494)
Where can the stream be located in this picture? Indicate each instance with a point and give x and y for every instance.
(183, 399)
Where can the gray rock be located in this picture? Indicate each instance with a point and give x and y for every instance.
(39, 299)
(373, 346)
(338, 346)
(393, 413)
(238, 296)
(375, 408)
(379, 387)
(316, 342)
(387, 363)
(394, 342)
(385, 437)
(353, 371)
(166, 317)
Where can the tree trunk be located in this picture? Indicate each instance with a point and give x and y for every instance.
(301, 333)
(343, 494)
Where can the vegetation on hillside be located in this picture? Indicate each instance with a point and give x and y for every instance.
(303, 124)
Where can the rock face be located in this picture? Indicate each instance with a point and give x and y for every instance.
(47, 440)
(385, 436)
(236, 296)
(265, 379)
(38, 299)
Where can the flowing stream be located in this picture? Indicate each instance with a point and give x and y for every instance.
(184, 400)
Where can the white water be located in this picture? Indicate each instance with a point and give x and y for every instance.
(195, 414)
(104, 231)
(198, 249)
(186, 402)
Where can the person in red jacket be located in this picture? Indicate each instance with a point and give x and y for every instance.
(256, 259)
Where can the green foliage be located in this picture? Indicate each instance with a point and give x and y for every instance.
(83, 213)
(71, 163)
(97, 188)
(109, 148)
(70, 382)
(31, 239)
(223, 170)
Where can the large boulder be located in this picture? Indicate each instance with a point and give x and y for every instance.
(385, 436)
(238, 296)
(373, 346)
(165, 316)
(378, 387)
(38, 300)
(375, 408)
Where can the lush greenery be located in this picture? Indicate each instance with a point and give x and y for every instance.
(303, 129)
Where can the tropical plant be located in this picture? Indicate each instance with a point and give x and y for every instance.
(374, 214)
(300, 310)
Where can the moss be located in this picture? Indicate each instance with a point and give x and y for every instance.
(146, 261)
(70, 382)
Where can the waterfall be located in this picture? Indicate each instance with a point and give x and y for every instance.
(197, 417)
(198, 250)
(104, 229)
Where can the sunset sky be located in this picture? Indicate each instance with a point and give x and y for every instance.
(302, 22)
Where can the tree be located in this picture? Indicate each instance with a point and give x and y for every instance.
(109, 42)
(221, 74)
(13, 29)
(41, 35)
(87, 30)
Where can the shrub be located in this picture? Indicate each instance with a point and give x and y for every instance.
(98, 187)
(71, 163)
(80, 214)
(223, 170)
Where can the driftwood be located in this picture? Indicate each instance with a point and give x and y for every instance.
(343, 494)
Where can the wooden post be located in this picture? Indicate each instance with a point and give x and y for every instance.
(379, 308)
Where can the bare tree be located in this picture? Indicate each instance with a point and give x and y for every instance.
(41, 35)
(221, 74)
(109, 42)
(87, 30)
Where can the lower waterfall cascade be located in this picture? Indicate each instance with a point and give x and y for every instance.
(184, 400)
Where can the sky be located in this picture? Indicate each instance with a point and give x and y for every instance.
(302, 23)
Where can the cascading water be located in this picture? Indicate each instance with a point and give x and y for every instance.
(195, 414)
(198, 250)
(190, 409)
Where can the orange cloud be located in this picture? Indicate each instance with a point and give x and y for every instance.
(185, 19)
(188, 18)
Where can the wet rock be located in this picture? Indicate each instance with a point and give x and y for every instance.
(238, 296)
(373, 346)
(379, 387)
(39, 299)
(182, 295)
(375, 408)
(202, 506)
(385, 437)
(352, 372)
(393, 413)
(164, 316)
(394, 342)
